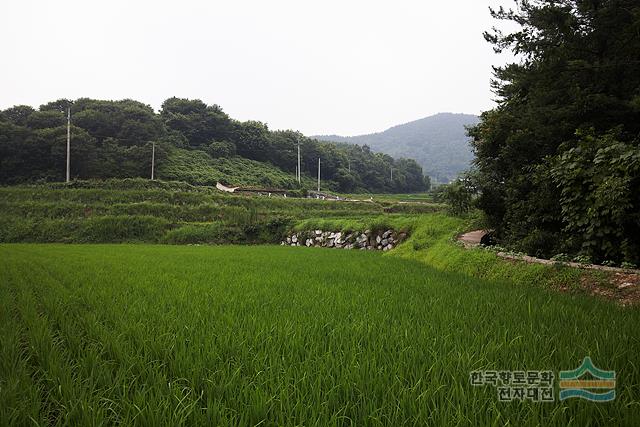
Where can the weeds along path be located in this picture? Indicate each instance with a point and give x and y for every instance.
(166, 335)
(619, 284)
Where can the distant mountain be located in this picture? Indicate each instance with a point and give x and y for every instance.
(439, 143)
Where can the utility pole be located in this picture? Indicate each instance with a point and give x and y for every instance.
(299, 174)
(392, 173)
(318, 174)
(153, 159)
(68, 144)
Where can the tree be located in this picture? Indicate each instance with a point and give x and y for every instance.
(345, 180)
(18, 115)
(578, 71)
(251, 139)
(198, 122)
(113, 139)
(221, 149)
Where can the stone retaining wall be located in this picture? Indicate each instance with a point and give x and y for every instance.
(368, 240)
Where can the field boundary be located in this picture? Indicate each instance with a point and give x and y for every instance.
(471, 239)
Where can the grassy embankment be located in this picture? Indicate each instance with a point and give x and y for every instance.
(432, 242)
(142, 211)
(167, 212)
(159, 212)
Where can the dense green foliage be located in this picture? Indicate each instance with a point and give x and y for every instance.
(457, 195)
(113, 139)
(559, 158)
(152, 335)
(438, 143)
(198, 168)
(139, 210)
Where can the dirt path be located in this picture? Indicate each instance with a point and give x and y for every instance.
(472, 238)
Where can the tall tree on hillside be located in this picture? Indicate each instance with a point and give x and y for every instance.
(201, 124)
(571, 101)
(252, 140)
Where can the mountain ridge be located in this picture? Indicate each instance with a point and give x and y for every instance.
(438, 143)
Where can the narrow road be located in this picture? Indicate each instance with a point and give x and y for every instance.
(472, 238)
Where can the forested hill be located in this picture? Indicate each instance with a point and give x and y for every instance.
(195, 142)
(558, 159)
(438, 143)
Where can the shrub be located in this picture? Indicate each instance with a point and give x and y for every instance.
(458, 195)
(215, 233)
(221, 149)
(583, 259)
(113, 229)
(271, 231)
(28, 230)
(538, 243)
(561, 258)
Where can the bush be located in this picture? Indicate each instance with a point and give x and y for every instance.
(114, 229)
(271, 231)
(215, 233)
(597, 177)
(458, 195)
(221, 149)
(538, 243)
(28, 230)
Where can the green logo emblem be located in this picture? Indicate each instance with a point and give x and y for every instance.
(599, 386)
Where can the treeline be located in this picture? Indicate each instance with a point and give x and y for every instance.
(558, 160)
(112, 139)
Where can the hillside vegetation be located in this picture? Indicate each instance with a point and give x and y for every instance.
(558, 159)
(194, 142)
(438, 143)
(163, 212)
(198, 168)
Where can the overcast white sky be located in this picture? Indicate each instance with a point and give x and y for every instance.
(345, 67)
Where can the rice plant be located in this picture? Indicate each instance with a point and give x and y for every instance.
(263, 335)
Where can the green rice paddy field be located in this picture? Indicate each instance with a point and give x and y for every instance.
(264, 335)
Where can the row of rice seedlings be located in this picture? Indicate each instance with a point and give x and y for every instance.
(65, 396)
(20, 400)
(120, 355)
